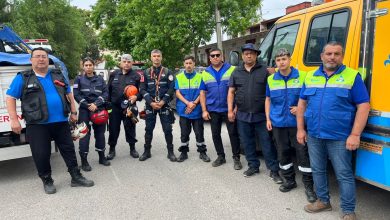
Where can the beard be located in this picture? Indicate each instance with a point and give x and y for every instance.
(331, 67)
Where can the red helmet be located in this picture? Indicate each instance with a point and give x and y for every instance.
(99, 117)
(78, 131)
(130, 90)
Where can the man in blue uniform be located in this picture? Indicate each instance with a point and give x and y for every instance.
(46, 103)
(334, 104)
(157, 90)
(188, 85)
(117, 82)
(213, 99)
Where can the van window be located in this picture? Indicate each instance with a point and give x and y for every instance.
(283, 37)
(324, 29)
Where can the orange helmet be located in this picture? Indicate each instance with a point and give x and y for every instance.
(130, 90)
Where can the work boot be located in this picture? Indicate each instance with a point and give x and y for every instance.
(171, 156)
(203, 156)
(102, 159)
(349, 216)
(310, 194)
(78, 179)
(84, 162)
(288, 186)
(133, 151)
(48, 184)
(317, 206)
(183, 156)
(219, 161)
(276, 177)
(111, 153)
(237, 163)
(251, 171)
(146, 155)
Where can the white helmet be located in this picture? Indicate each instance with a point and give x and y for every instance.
(78, 131)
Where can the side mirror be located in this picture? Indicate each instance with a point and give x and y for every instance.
(234, 58)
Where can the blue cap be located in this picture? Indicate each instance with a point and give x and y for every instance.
(249, 46)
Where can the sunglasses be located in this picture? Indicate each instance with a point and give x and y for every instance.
(215, 55)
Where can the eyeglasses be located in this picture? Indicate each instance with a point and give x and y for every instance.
(39, 56)
(215, 55)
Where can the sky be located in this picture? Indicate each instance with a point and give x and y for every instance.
(271, 8)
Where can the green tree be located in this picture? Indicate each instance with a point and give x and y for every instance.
(173, 26)
(55, 20)
(110, 62)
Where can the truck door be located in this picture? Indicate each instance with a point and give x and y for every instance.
(373, 156)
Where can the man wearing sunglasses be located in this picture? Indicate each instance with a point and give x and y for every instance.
(213, 100)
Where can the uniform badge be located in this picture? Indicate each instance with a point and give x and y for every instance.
(296, 81)
(340, 79)
(170, 77)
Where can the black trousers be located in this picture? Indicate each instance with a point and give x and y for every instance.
(150, 121)
(185, 128)
(286, 140)
(114, 127)
(39, 137)
(100, 143)
(216, 123)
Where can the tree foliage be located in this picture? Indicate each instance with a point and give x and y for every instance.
(172, 26)
(65, 27)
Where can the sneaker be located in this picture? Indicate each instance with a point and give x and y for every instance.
(317, 206)
(251, 171)
(288, 186)
(237, 163)
(219, 161)
(203, 156)
(349, 216)
(276, 177)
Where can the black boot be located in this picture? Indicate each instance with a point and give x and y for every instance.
(288, 185)
(203, 156)
(171, 155)
(146, 155)
(48, 184)
(111, 153)
(310, 194)
(183, 156)
(78, 179)
(237, 163)
(84, 162)
(133, 151)
(102, 159)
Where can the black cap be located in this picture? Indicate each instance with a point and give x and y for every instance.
(249, 46)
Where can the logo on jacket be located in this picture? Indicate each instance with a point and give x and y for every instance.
(296, 81)
(340, 79)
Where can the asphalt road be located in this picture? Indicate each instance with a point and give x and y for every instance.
(160, 189)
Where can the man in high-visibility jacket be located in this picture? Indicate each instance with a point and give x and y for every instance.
(188, 85)
(214, 106)
(282, 95)
(334, 104)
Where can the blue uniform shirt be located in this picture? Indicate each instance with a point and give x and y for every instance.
(54, 103)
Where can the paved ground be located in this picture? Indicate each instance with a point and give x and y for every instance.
(160, 189)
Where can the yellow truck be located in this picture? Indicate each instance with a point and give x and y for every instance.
(362, 26)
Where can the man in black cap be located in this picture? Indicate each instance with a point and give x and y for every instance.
(247, 88)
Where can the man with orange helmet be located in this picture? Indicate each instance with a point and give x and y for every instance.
(117, 83)
(90, 91)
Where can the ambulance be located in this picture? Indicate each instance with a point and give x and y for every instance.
(362, 26)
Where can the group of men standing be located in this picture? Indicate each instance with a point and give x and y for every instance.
(331, 103)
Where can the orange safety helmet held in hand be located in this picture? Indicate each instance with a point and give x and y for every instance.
(130, 90)
(100, 117)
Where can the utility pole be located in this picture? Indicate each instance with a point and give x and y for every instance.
(218, 28)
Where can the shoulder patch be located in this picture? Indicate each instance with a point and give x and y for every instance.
(170, 77)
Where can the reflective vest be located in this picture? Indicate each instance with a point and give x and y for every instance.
(330, 112)
(284, 95)
(189, 88)
(34, 105)
(216, 96)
